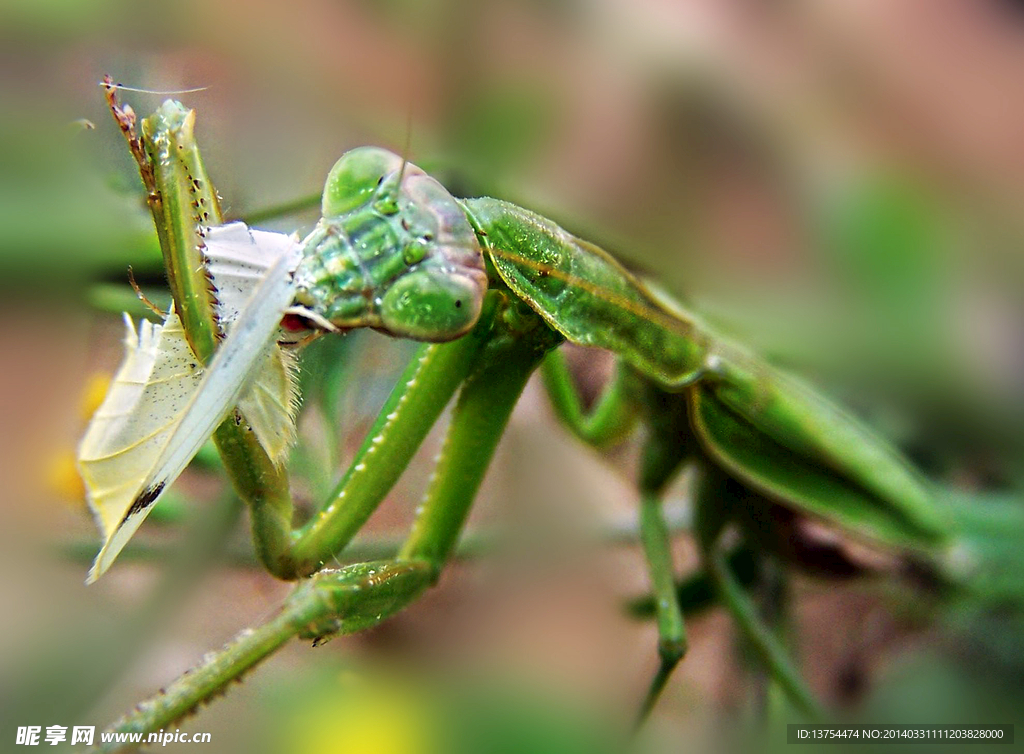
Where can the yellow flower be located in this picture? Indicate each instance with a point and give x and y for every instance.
(93, 393)
(61, 471)
(62, 477)
(365, 717)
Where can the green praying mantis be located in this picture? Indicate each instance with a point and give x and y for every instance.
(491, 291)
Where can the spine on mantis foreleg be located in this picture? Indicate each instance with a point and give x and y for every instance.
(183, 200)
(432, 377)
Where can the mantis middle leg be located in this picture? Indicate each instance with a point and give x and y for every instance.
(665, 451)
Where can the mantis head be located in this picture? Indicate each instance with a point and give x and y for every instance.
(394, 251)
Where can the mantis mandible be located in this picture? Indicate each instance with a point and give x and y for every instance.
(491, 290)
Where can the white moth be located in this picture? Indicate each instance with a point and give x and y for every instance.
(163, 405)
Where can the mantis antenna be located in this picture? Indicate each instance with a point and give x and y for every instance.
(405, 150)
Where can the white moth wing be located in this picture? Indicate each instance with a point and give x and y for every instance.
(155, 382)
(271, 405)
(193, 416)
(238, 258)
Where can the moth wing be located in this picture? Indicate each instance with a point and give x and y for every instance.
(238, 258)
(155, 382)
(221, 386)
(271, 404)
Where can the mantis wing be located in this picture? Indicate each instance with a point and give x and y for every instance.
(162, 407)
(747, 412)
(806, 483)
(768, 429)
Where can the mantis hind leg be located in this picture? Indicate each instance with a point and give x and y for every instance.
(611, 419)
(715, 497)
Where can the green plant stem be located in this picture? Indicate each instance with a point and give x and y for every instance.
(291, 207)
(333, 601)
(103, 650)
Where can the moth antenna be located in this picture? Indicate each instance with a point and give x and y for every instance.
(108, 84)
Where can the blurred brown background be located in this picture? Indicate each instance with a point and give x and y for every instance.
(840, 183)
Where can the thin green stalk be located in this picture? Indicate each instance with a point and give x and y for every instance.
(291, 207)
(102, 650)
(333, 601)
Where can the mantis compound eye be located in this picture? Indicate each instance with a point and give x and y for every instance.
(432, 305)
(356, 178)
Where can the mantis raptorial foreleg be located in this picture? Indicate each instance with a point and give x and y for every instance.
(482, 410)
(359, 596)
(432, 377)
(434, 374)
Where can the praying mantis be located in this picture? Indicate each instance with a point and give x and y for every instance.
(491, 290)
